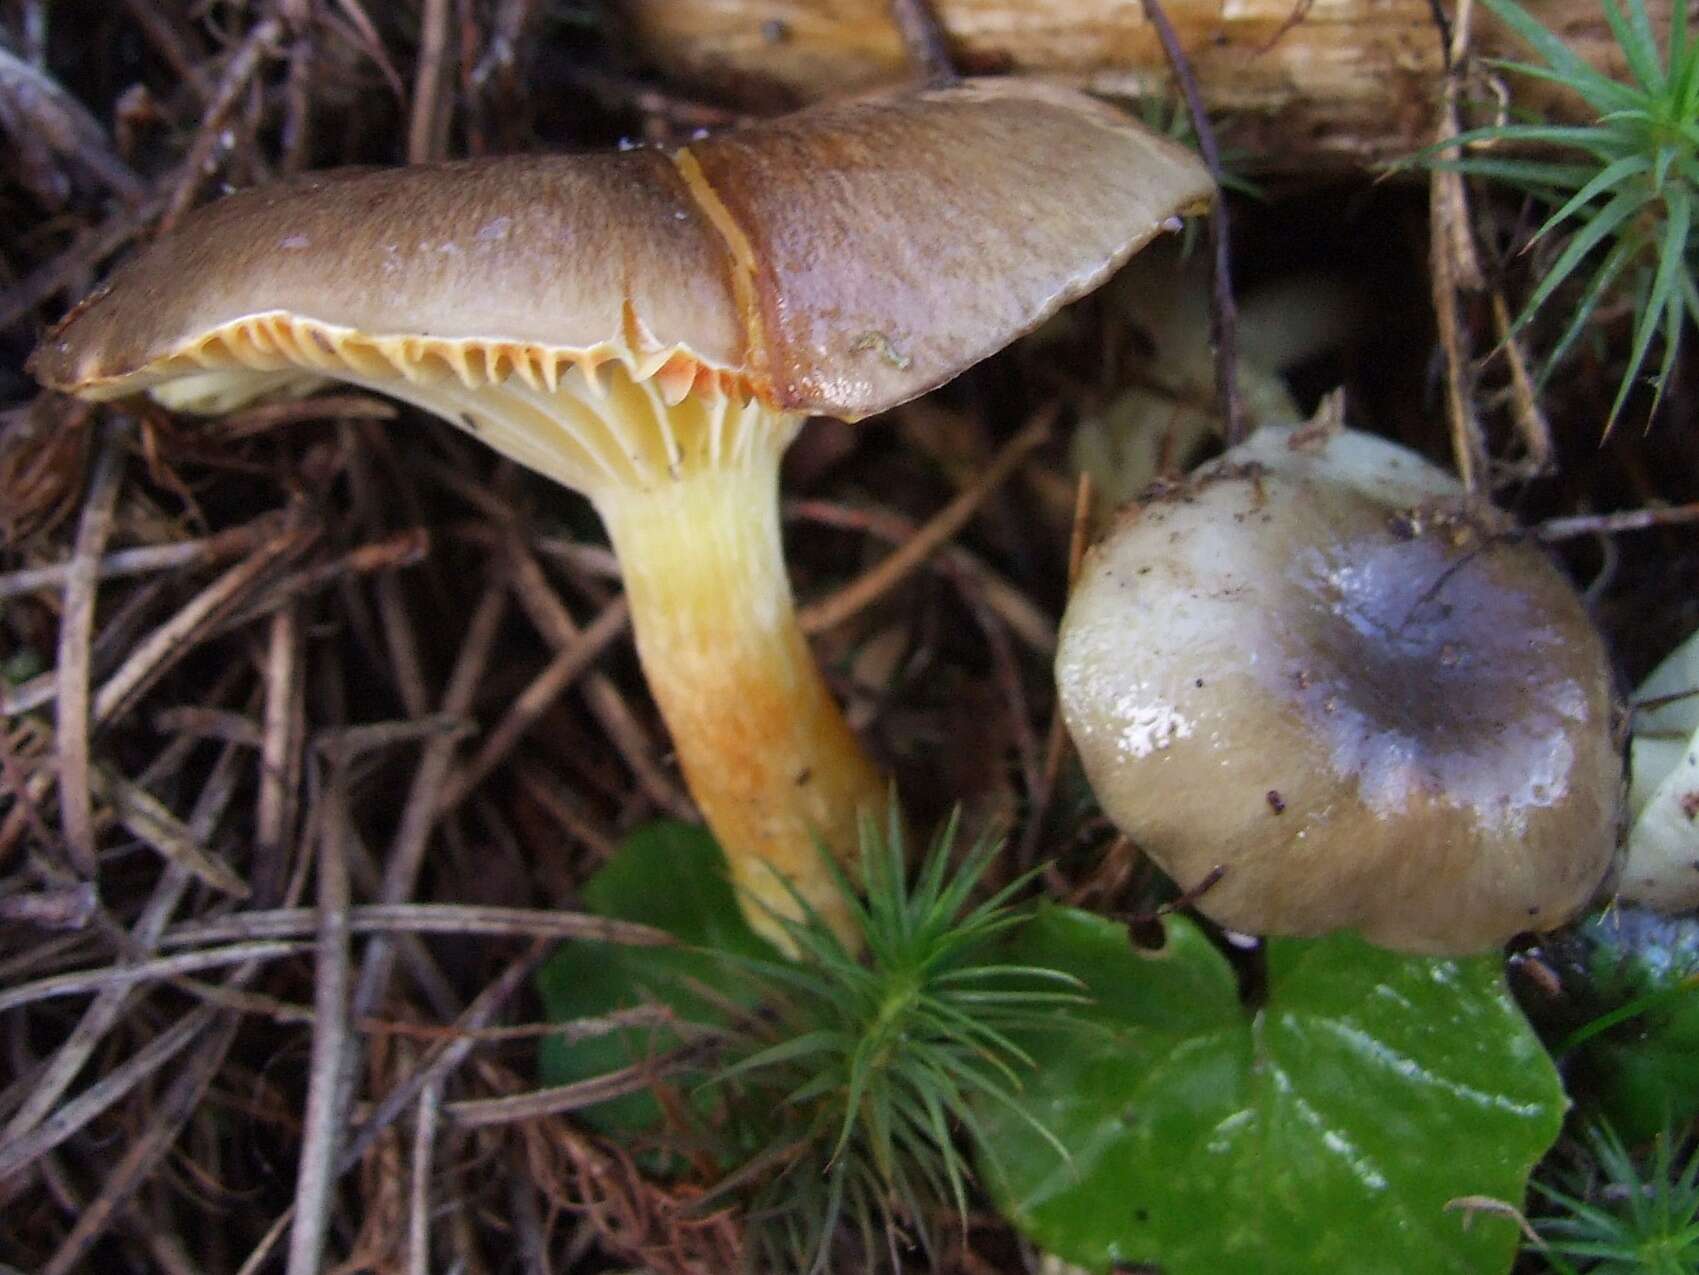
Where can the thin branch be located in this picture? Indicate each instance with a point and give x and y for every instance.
(327, 1077)
(144, 1152)
(1614, 523)
(545, 610)
(474, 1113)
(66, 1120)
(441, 1061)
(280, 753)
(925, 39)
(420, 918)
(1025, 618)
(937, 530)
(260, 43)
(145, 971)
(232, 543)
(177, 636)
(419, 814)
(76, 631)
(428, 129)
(419, 1193)
(147, 818)
(530, 704)
(1223, 312)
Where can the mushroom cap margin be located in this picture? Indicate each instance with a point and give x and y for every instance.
(837, 261)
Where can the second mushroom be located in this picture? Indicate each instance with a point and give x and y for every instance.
(652, 328)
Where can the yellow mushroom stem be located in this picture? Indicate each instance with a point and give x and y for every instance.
(766, 751)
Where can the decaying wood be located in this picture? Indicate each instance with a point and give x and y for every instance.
(1296, 83)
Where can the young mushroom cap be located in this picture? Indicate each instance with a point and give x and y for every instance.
(1312, 667)
(651, 328)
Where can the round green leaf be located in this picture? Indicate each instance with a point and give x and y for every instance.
(672, 876)
(1325, 1131)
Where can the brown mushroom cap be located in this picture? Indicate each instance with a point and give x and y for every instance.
(837, 261)
(1317, 671)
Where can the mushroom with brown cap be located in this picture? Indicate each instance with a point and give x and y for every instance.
(1322, 692)
(651, 328)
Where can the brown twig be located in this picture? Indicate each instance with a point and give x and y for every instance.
(280, 752)
(419, 918)
(176, 42)
(146, 818)
(45, 124)
(399, 549)
(441, 1061)
(1454, 266)
(924, 37)
(544, 788)
(265, 418)
(1025, 618)
(531, 703)
(427, 131)
(52, 1081)
(1615, 523)
(474, 1113)
(419, 1210)
(194, 622)
(300, 19)
(419, 813)
(244, 61)
(1223, 312)
(123, 563)
(328, 1078)
(949, 520)
(545, 610)
(1526, 414)
(74, 265)
(73, 717)
(83, 981)
(144, 1152)
(64, 1121)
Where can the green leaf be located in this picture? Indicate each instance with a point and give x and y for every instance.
(1672, 258)
(1325, 1131)
(1605, 222)
(1637, 975)
(1639, 47)
(672, 876)
(1609, 176)
(1600, 90)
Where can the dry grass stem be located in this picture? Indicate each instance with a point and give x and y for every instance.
(145, 560)
(549, 614)
(480, 1112)
(145, 971)
(419, 813)
(149, 819)
(420, 918)
(76, 630)
(915, 549)
(328, 1076)
(568, 665)
(1025, 618)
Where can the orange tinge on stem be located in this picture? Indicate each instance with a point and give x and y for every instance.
(763, 745)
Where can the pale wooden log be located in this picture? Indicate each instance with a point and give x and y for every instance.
(1296, 84)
